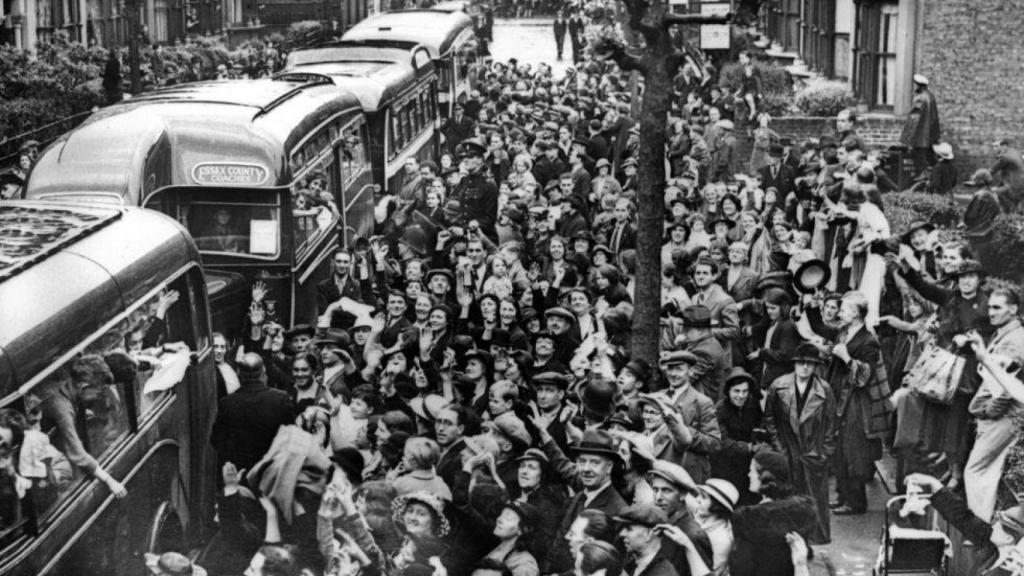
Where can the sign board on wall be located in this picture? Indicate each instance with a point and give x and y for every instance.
(714, 36)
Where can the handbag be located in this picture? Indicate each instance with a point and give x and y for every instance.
(936, 374)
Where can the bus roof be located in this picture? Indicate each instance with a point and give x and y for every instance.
(374, 74)
(68, 269)
(110, 156)
(436, 30)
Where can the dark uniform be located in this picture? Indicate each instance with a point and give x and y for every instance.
(477, 196)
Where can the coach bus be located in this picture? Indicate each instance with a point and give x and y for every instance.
(398, 92)
(85, 288)
(270, 177)
(448, 37)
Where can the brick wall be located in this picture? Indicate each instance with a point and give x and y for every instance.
(972, 52)
(877, 130)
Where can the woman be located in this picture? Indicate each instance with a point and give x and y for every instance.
(763, 139)
(868, 274)
(558, 271)
(739, 417)
(420, 514)
(522, 173)
(759, 531)
(676, 243)
(515, 528)
(534, 487)
(777, 336)
(439, 334)
(713, 507)
(608, 286)
(421, 308)
(729, 208)
(755, 236)
(508, 314)
(498, 282)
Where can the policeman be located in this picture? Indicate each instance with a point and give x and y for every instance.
(477, 195)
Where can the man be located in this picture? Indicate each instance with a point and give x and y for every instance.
(560, 27)
(777, 175)
(921, 131)
(414, 185)
(559, 321)
(800, 417)
(846, 127)
(580, 173)
(597, 144)
(644, 550)
(576, 30)
(979, 219)
(227, 378)
(708, 373)
(395, 321)
(550, 388)
(457, 129)
(247, 421)
(623, 236)
(590, 475)
(477, 256)
(544, 347)
(1008, 172)
(671, 486)
(341, 284)
(549, 166)
(725, 316)
(573, 221)
(700, 434)
(450, 428)
(858, 379)
(477, 196)
(995, 412)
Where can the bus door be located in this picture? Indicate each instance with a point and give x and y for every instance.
(244, 235)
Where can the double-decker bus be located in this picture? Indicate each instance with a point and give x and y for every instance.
(398, 92)
(449, 37)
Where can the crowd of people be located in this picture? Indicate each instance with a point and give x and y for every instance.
(467, 404)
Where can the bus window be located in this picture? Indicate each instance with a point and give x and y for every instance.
(88, 405)
(313, 207)
(234, 228)
(407, 125)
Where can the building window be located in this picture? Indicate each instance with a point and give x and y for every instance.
(875, 53)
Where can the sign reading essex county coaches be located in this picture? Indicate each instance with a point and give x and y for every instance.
(229, 174)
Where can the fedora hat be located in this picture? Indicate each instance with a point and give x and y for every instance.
(780, 279)
(943, 150)
(811, 275)
(428, 406)
(696, 316)
(596, 442)
(597, 398)
(722, 220)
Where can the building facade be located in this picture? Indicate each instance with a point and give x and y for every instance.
(971, 51)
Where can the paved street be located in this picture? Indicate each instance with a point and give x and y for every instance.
(531, 41)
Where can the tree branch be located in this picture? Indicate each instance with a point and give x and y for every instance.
(672, 19)
(638, 10)
(609, 49)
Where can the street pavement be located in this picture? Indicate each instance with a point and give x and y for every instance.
(531, 41)
(855, 539)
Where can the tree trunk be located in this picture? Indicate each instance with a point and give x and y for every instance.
(134, 33)
(650, 195)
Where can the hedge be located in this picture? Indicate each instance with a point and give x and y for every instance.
(822, 97)
(902, 208)
(1009, 246)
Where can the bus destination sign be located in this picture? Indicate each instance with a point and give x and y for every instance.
(229, 174)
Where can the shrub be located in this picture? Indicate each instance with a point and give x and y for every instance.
(777, 104)
(904, 207)
(774, 78)
(824, 98)
(1009, 245)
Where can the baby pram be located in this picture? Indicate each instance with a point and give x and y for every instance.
(910, 542)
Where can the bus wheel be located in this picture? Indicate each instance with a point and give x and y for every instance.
(165, 531)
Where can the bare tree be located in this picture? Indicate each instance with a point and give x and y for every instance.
(658, 60)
